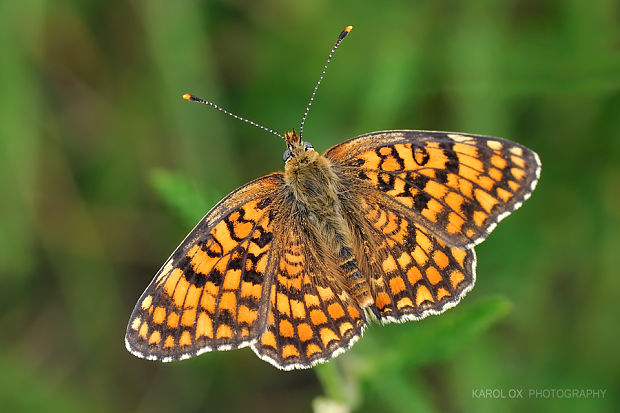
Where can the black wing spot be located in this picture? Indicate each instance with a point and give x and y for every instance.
(197, 279)
(225, 317)
(211, 246)
(418, 180)
(249, 302)
(386, 182)
(236, 263)
(357, 162)
(264, 203)
(263, 239)
(252, 277)
(290, 292)
(441, 176)
(231, 228)
(216, 277)
(420, 155)
(409, 241)
(295, 294)
(420, 201)
(452, 165)
(468, 210)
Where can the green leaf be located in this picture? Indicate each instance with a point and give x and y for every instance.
(433, 339)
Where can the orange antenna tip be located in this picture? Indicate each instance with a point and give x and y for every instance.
(187, 96)
(344, 33)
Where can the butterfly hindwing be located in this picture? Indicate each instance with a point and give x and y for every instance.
(413, 273)
(311, 317)
(212, 292)
(456, 185)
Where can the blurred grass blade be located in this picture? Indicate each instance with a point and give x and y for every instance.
(401, 394)
(182, 196)
(338, 388)
(20, 103)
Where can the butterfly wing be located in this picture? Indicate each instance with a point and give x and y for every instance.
(412, 273)
(457, 186)
(311, 316)
(213, 291)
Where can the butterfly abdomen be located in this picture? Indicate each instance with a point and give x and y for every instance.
(358, 285)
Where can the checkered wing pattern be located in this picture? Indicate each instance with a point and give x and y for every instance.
(311, 316)
(413, 272)
(456, 186)
(213, 291)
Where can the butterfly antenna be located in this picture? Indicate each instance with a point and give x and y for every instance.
(193, 98)
(343, 34)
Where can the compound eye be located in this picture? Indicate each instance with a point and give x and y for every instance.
(308, 145)
(287, 155)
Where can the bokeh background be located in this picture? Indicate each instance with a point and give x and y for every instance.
(104, 169)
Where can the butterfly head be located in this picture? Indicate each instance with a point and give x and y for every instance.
(298, 152)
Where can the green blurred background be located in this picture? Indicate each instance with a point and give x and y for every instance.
(104, 169)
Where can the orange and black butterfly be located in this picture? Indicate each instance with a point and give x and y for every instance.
(296, 264)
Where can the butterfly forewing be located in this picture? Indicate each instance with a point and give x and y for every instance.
(458, 186)
(213, 291)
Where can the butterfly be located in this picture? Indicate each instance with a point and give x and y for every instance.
(297, 263)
